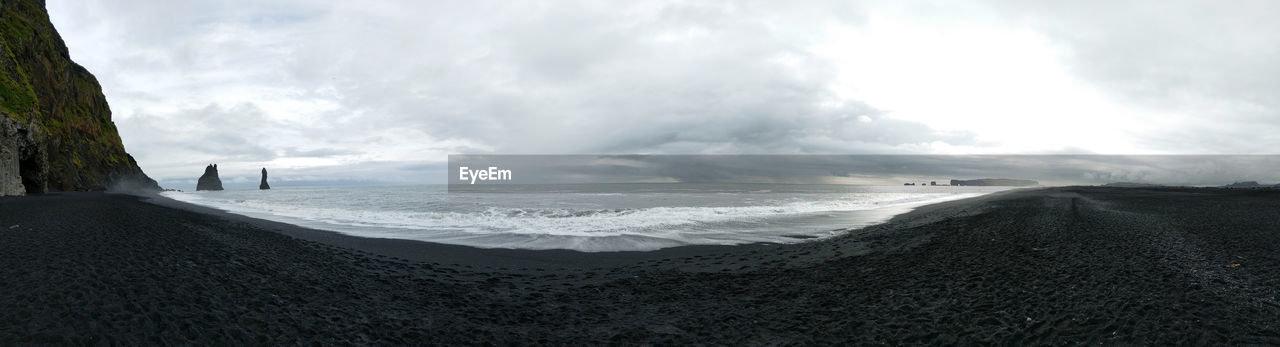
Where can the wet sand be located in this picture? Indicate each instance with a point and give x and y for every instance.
(1056, 265)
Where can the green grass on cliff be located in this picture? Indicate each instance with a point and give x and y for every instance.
(37, 79)
(15, 88)
(16, 97)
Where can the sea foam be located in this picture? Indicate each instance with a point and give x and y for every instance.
(585, 221)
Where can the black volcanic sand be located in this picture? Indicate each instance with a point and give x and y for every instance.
(1060, 265)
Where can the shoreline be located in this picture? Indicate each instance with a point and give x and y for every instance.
(1038, 266)
(443, 253)
(563, 259)
(298, 228)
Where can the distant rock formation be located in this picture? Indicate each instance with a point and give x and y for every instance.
(1245, 184)
(56, 132)
(264, 184)
(994, 182)
(209, 180)
(1131, 185)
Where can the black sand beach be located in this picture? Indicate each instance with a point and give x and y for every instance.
(1057, 265)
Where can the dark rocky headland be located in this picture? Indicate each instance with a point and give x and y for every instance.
(56, 132)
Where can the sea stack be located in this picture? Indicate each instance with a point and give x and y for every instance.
(210, 180)
(264, 184)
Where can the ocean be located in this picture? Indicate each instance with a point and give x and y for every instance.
(585, 217)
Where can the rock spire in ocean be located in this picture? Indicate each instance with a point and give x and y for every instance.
(264, 184)
(209, 180)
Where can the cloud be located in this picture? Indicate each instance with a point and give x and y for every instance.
(316, 153)
(284, 83)
(339, 86)
(1204, 70)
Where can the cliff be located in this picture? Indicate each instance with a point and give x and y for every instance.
(209, 180)
(56, 132)
(994, 182)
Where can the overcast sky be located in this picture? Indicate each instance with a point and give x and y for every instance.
(381, 92)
